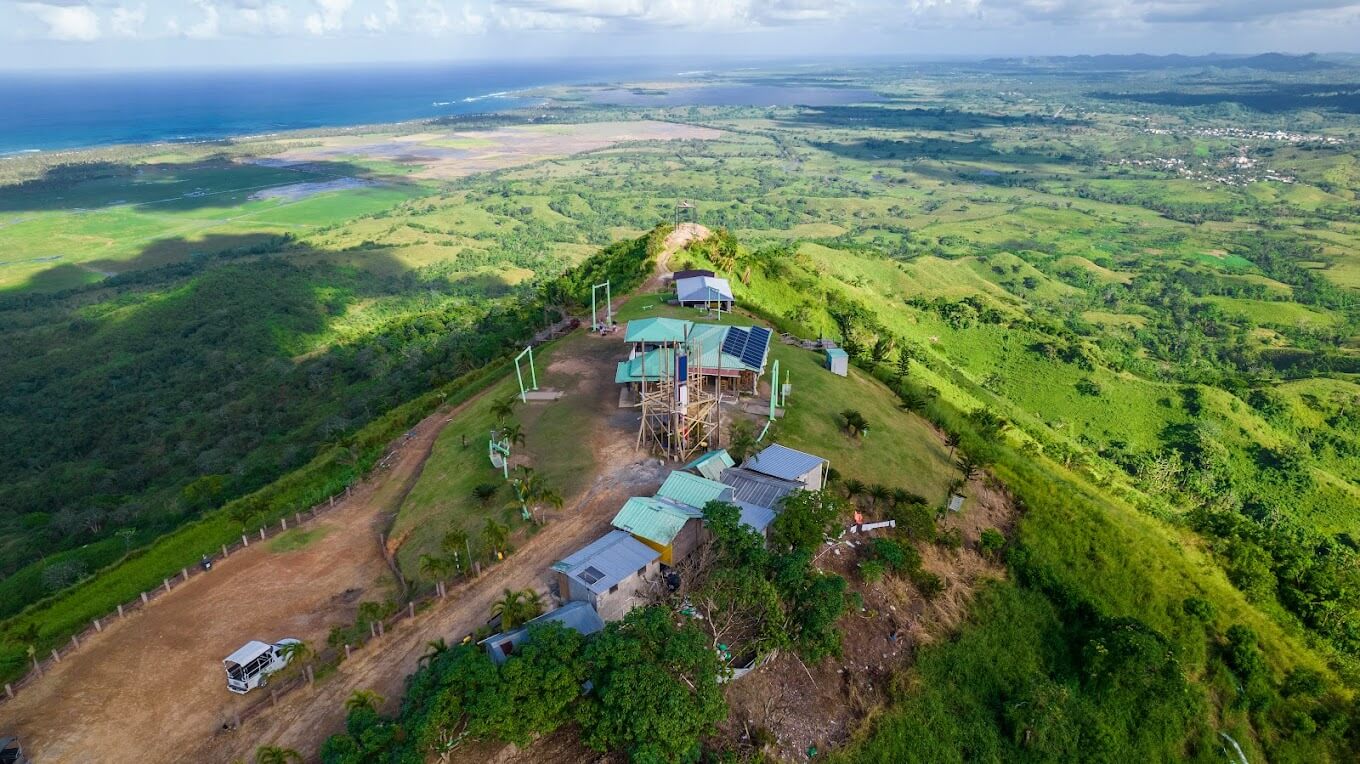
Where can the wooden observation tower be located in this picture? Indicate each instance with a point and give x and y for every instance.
(679, 414)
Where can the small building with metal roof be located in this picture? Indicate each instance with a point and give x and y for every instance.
(711, 464)
(737, 353)
(838, 361)
(579, 616)
(757, 489)
(693, 490)
(690, 273)
(708, 291)
(610, 573)
(656, 330)
(670, 528)
(756, 517)
(786, 463)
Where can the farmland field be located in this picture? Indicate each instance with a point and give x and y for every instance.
(1154, 344)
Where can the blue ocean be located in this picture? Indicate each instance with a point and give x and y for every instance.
(43, 112)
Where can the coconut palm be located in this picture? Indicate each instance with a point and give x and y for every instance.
(436, 567)
(952, 440)
(272, 754)
(531, 492)
(516, 607)
(741, 440)
(504, 408)
(495, 535)
(363, 699)
(296, 651)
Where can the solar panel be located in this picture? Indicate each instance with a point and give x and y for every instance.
(591, 574)
(735, 342)
(754, 352)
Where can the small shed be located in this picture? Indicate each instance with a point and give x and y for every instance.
(609, 573)
(704, 291)
(955, 503)
(838, 361)
(711, 464)
(808, 470)
(579, 616)
(672, 529)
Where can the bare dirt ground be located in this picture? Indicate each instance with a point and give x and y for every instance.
(455, 154)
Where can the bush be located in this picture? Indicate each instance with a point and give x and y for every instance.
(929, 584)
(990, 543)
(872, 571)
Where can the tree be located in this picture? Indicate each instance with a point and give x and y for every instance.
(854, 423)
(531, 492)
(879, 493)
(514, 433)
(435, 567)
(905, 355)
(361, 700)
(952, 440)
(990, 543)
(272, 754)
(485, 492)
(504, 408)
(495, 535)
(988, 423)
(296, 652)
(807, 518)
(516, 607)
(455, 545)
(539, 685)
(656, 688)
(738, 545)
(433, 649)
(741, 440)
(854, 489)
(883, 347)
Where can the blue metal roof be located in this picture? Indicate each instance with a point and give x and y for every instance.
(783, 462)
(754, 488)
(756, 517)
(703, 288)
(607, 560)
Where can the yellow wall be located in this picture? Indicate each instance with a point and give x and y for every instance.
(665, 549)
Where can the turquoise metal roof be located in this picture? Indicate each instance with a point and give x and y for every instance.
(692, 490)
(657, 329)
(653, 518)
(712, 464)
(836, 353)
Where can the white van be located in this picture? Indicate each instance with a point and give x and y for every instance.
(250, 666)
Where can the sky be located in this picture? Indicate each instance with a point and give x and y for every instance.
(109, 34)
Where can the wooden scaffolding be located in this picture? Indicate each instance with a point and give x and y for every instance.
(680, 415)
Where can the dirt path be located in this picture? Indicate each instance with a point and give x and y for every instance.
(158, 675)
(304, 719)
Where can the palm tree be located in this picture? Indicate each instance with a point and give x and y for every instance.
(436, 567)
(296, 651)
(503, 408)
(878, 492)
(516, 607)
(952, 440)
(272, 754)
(514, 432)
(530, 492)
(853, 489)
(434, 649)
(455, 544)
(495, 535)
(741, 440)
(363, 699)
(969, 467)
(854, 422)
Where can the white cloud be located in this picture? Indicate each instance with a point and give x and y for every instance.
(390, 18)
(329, 16)
(208, 26)
(270, 18)
(65, 22)
(719, 14)
(127, 21)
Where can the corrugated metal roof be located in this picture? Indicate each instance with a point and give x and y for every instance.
(755, 488)
(692, 490)
(712, 464)
(783, 462)
(573, 615)
(614, 557)
(836, 353)
(656, 329)
(756, 517)
(703, 288)
(654, 519)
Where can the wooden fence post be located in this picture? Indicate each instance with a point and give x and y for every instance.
(75, 643)
(185, 572)
(297, 517)
(311, 677)
(120, 612)
(372, 630)
(273, 697)
(283, 524)
(332, 500)
(346, 652)
(262, 533)
(143, 598)
(380, 628)
(477, 567)
(224, 551)
(244, 540)
(98, 627)
(167, 585)
(411, 609)
(9, 690)
(56, 656)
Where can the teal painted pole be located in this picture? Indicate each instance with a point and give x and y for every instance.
(533, 375)
(520, 378)
(774, 389)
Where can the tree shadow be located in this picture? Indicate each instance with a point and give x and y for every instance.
(218, 181)
(1273, 99)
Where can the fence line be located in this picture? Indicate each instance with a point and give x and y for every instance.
(126, 610)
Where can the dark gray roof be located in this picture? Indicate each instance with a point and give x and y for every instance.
(691, 273)
(783, 462)
(580, 616)
(755, 488)
(607, 560)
